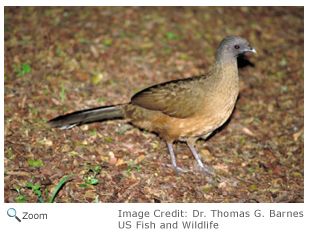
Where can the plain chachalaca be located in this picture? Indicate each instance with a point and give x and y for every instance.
(178, 110)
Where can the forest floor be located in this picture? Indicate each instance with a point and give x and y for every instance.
(62, 59)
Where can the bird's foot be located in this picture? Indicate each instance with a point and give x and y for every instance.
(179, 169)
(207, 170)
(176, 168)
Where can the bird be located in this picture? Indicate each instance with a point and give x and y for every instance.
(182, 110)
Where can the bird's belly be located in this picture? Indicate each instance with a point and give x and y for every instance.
(197, 127)
(201, 126)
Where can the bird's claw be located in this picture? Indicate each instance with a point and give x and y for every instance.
(178, 169)
(208, 170)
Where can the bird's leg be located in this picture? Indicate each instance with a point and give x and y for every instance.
(193, 150)
(174, 162)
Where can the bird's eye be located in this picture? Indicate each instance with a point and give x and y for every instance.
(237, 47)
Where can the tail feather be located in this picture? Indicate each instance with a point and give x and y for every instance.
(87, 116)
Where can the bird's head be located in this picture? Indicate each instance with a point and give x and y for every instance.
(231, 47)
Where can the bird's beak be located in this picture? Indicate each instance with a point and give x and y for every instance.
(251, 49)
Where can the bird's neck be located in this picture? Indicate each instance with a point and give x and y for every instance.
(225, 69)
(224, 79)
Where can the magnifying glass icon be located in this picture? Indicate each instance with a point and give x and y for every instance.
(12, 213)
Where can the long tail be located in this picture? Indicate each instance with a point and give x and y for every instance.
(87, 116)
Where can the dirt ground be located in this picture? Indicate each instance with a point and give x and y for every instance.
(62, 59)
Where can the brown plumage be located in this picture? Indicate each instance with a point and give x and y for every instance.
(179, 110)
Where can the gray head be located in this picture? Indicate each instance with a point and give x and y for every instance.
(231, 47)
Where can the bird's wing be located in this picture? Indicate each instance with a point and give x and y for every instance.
(178, 98)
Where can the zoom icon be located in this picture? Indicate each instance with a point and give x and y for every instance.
(12, 213)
